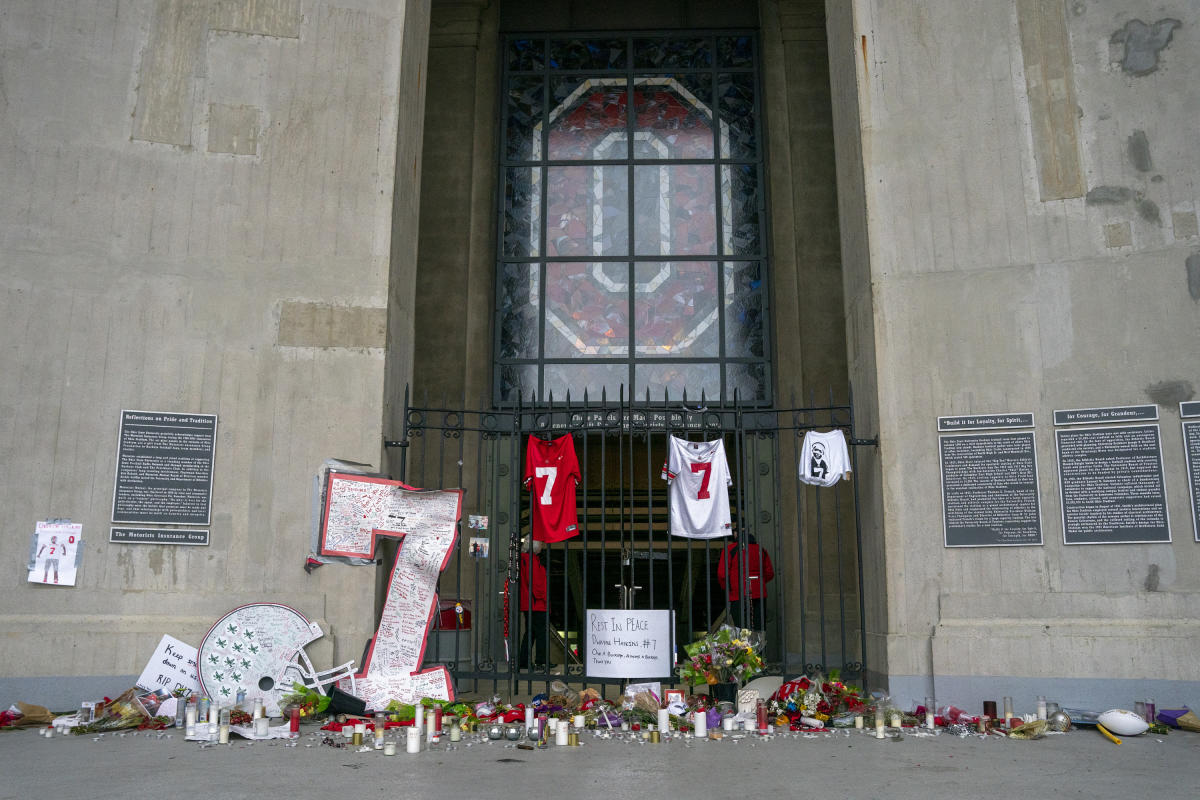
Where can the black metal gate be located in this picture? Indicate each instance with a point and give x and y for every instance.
(623, 555)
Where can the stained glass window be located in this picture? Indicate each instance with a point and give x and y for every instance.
(631, 235)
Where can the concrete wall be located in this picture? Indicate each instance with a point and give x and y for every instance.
(1029, 187)
(198, 217)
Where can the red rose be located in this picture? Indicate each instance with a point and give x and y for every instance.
(805, 683)
(822, 707)
(826, 688)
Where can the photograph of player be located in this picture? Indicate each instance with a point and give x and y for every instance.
(54, 553)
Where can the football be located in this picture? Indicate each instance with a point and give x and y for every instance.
(1122, 722)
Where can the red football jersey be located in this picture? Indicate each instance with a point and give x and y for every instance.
(551, 474)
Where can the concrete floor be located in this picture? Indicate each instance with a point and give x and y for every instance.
(1078, 764)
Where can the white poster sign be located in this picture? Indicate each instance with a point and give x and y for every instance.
(171, 669)
(629, 644)
(55, 549)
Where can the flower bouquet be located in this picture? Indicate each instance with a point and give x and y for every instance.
(310, 701)
(819, 698)
(730, 655)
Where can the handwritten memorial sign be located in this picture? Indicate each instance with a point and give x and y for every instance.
(628, 644)
(171, 669)
(358, 511)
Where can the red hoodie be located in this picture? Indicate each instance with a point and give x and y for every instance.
(758, 571)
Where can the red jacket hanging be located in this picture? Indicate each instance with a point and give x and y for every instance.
(534, 600)
(758, 571)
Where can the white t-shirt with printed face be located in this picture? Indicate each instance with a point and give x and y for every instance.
(824, 458)
(699, 478)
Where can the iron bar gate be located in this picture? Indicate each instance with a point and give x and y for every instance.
(623, 556)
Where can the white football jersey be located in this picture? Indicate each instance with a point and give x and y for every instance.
(699, 478)
(824, 458)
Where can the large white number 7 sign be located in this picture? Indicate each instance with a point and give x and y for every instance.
(358, 511)
(550, 474)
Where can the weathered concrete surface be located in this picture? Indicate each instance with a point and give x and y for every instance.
(153, 259)
(1080, 764)
(984, 295)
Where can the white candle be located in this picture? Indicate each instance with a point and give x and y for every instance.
(664, 720)
(419, 719)
(429, 720)
(455, 732)
(1041, 707)
(262, 727)
(528, 718)
(258, 707)
(552, 727)
(727, 723)
(700, 724)
(858, 721)
(190, 721)
(578, 721)
(413, 740)
(389, 748)
(878, 725)
(895, 720)
(561, 734)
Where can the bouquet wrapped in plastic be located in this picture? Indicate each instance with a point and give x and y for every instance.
(728, 655)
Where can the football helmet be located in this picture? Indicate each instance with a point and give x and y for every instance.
(259, 648)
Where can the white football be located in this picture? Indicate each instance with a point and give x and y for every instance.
(1122, 722)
